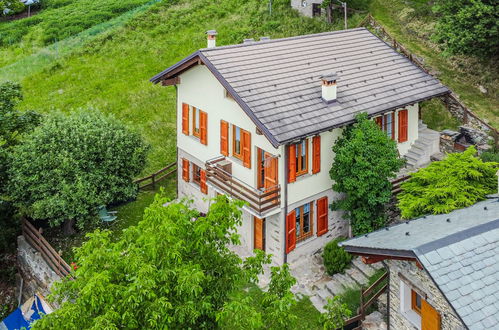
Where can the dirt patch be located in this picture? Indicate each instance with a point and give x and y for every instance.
(22, 15)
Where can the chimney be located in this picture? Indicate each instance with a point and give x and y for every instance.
(212, 38)
(329, 87)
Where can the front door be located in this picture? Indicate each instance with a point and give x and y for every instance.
(270, 171)
(259, 233)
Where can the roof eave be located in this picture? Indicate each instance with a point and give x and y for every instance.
(378, 251)
(160, 76)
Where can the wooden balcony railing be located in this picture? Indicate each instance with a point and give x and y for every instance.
(260, 201)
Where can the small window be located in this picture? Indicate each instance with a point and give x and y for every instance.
(196, 174)
(302, 157)
(195, 122)
(304, 222)
(237, 150)
(416, 302)
(386, 123)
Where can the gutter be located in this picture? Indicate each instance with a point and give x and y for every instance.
(286, 175)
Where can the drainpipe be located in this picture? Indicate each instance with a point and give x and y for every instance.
(286, 175)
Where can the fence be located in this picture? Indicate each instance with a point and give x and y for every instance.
(157, 176)
(367, 298)
(451, 101)
(34, 237)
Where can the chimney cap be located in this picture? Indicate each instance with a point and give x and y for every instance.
(329, 77)
(211, 32)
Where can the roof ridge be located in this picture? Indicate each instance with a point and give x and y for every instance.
(303, 36)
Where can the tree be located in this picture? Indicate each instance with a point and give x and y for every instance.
(172, 270)
(336, 314)
(365, 159)
(69, 165)
(10, 7)
(468, 27)
(458, 181)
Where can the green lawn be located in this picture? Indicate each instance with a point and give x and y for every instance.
(411, 23)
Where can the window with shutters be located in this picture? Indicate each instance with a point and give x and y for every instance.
(416, 309)
(415, 302)
(301, 157)
(386, 123)
(304, 221)
(196, 174)
(237, 148)
(403, 125)
(195, 122)
(241, 145)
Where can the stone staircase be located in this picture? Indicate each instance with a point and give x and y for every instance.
(355, 276)
(427, 144)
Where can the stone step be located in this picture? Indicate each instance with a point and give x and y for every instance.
(324, 294)
(345, 280)
(364, 268)
(418, 150)
(357, 275)
(318, 303)
(377, 265)
(334, 287)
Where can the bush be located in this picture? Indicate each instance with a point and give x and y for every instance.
(490, 156)
(335, 258)
(336, 313)
(458, 181)
(69, 165)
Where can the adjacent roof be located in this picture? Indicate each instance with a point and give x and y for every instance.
(277, 82)
(460, 251)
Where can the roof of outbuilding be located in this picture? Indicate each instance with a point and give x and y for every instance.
(277, 82)
(460, 251)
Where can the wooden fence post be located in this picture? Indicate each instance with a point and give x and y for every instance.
(362, 303)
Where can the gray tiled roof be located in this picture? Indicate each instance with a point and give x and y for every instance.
(278, 80)
(461, 255)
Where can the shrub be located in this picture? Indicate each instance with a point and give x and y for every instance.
(336, 259)
(336, 314)
(69, 165)
(490, 156)
(365, 158)
(458, 181)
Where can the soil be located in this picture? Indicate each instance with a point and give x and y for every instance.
(22, 15)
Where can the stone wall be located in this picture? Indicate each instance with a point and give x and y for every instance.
(462, 114)
(420, 280)
(37, 276)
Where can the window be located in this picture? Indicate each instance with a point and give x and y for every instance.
(316, 9)
(304, 221)
(261, 168)
(386, 123)
(416, 302)
(195, 122)
(196, 174)
(302, 157)
(237, 151)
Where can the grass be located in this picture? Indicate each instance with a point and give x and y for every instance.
(411, 23)
(111, 73)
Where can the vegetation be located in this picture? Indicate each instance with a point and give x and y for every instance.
(10, 7)
(468, 27)
(177, 272)
(336, 313)
(69, 165)
(336, 260)
(458, 181)
(365, 158)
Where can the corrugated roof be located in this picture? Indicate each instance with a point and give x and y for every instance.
(278, 81)
(460, 251)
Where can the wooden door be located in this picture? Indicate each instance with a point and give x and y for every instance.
(259, 233)
(430, 318)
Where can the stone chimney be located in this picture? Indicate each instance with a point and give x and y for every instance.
(329, 87)
(212, 38)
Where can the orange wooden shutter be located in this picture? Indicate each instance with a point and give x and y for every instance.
(291, 231)
(203, 185)
(203, 127)
(322, 210)
(224, 138)
(402, 125)
(246, 142)
(379, 121)
(185, 169)
(185, 119)
(292, 163)
(316, 155)
(258, 239)
(430, 318)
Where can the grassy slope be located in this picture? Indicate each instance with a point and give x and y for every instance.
(112, 72)
(462, 74)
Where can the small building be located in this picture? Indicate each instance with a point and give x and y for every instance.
(443, 269)
(310, 8)
(257, 122)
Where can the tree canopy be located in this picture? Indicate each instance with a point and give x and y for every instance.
(365, 159)
(172, 270)
(468, 27)
(70, 164)
(458, 181)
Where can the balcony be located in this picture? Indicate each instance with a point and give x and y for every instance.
(219, 174)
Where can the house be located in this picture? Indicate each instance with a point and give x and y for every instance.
(443, 269)
(310, 8)
(257, 121)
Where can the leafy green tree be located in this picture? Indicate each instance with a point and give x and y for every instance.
(468, 27)
(336, 314)
(10, 7)
(69, 165)
(365, 160)
(172, 270)
(458, 181)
